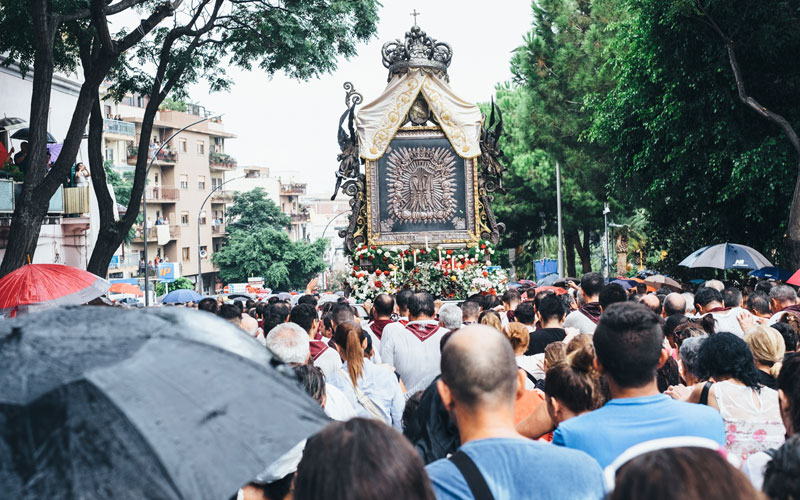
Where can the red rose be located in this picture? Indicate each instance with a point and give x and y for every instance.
(385, 259)
(422, 251)
(371, 257)
(364, 247)
(445, 272)
(378, 284)
(492, 291)
(449, 252)
(355, 268)
(372, 247)
(483, 247)
(378, 272)
(485, 274)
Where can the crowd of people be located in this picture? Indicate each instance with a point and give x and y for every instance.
(590, 391)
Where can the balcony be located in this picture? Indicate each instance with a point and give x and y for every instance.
(222, 197)
(294, 188)
(165, 158)
(163, 194)
(118, 262)
(65, 202)
(120, 129)
(218, 230)
(152, 233)
(299, 218)
(221, 161)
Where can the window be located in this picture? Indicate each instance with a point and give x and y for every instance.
(215, 182)
(110, 154)
(184, 181)
(185, 254)
(201, 182)
(203, 217)
(201, 147)
(184, 218)
(107, 109)
(204, 252)
(182, 147)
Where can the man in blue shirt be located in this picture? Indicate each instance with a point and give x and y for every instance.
(628, 343)
(479, 385)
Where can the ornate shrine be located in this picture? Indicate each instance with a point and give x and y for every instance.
(420, 165)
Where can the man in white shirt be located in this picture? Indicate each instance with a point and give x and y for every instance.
(413, 350)
(322, 356)
(782, 299)
(585, 319)
(290, 343)
(709, 301)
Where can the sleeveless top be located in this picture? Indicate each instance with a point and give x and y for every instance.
(752, 419)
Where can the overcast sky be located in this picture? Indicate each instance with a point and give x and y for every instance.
(290, 125)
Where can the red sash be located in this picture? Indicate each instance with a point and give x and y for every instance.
(422, 331)
(317, 347)
(377, 326)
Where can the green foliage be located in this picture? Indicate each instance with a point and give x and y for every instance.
(556, 71)
(253, 211)
(268, 252)
(181, 283)
(705, 166)
(174, 105)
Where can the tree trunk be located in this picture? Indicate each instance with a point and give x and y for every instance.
(584, 252)
(621, 246)
(570, 255)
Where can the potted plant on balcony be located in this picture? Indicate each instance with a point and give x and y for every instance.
(133, 151)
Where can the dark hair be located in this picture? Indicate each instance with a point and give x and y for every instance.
(782, 474)
(363, 459)
(261, 310)
(668, 374)
(209, 305)
(480, 299)
(229, 311)
(349, 336)
(511, 296)
(277, 313)
(575, 383)
(312, 380)
(641, 288)
(726, 355)
(421, 303)
(764, 286)
(383, 305)
(671, 323)
(789, 383)
(540, 295)
(308, 299)
(249, 303)
(525, 314)
(628, 342)
(787, 332)
(470, 309)
(550, 306)
(342, 313)
(276, 490)
(239, 305)
(481, 374)
(592, 283)
(731, 297)
(681, 473)
(304, 315)
(410, 411)
(327, 321)
(705, 296)
(402, 297)
(612, 294)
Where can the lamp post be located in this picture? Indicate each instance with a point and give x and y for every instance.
(333, 251)
(144, 203)
(607, 246)
(558, 206)
(199, 212)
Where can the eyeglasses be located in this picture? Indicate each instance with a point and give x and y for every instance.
(610, 472)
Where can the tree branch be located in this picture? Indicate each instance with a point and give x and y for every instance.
(109, 10)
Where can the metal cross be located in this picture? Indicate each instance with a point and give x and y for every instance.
(415, 14)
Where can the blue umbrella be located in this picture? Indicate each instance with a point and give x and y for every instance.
(626, 284)
(181, 297)
(726, 256)
(548, 279)
(773, 273)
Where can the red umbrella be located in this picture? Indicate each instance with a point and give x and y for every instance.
(39, 286)
(557, 289)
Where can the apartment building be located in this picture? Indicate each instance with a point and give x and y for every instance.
(185, 212)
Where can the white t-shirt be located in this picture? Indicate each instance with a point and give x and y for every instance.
(415, 360)
(336, 404)
(576, 319)
(329, 361)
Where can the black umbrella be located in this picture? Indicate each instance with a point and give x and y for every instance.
(101, 402)
(11, 123)
(22, 135)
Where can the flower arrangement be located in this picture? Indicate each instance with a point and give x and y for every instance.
(443, 272)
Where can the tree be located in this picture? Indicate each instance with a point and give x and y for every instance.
(252, 210)
(556, 72)
(268, 252)
(629, 236)
(182, 283)
(684, 147)
(50, 35)
(303, 38)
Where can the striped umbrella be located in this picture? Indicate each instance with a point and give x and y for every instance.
(726, 256)
(40, 286)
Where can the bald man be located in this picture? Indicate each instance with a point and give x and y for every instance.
(652, 302)
(674, 303)
(479, 384)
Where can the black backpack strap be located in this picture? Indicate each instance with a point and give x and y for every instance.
(704, 394)
(530, 376)
(475, 480)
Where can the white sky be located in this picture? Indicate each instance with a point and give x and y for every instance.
(290, 125)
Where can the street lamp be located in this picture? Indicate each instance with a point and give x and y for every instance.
(144, 202)
(558, 215)
(607, 246)
(199, 212)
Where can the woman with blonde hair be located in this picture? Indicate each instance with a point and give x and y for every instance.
(518, 335)
(491, 318)
(373, 390)
(768, 350)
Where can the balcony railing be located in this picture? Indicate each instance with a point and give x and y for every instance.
(218, 229)
(299, 218)
(127, 261)
(119, 127)
(222, 197)
(152, 232)
(294, 188)
(65, 201)
(166, 194)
